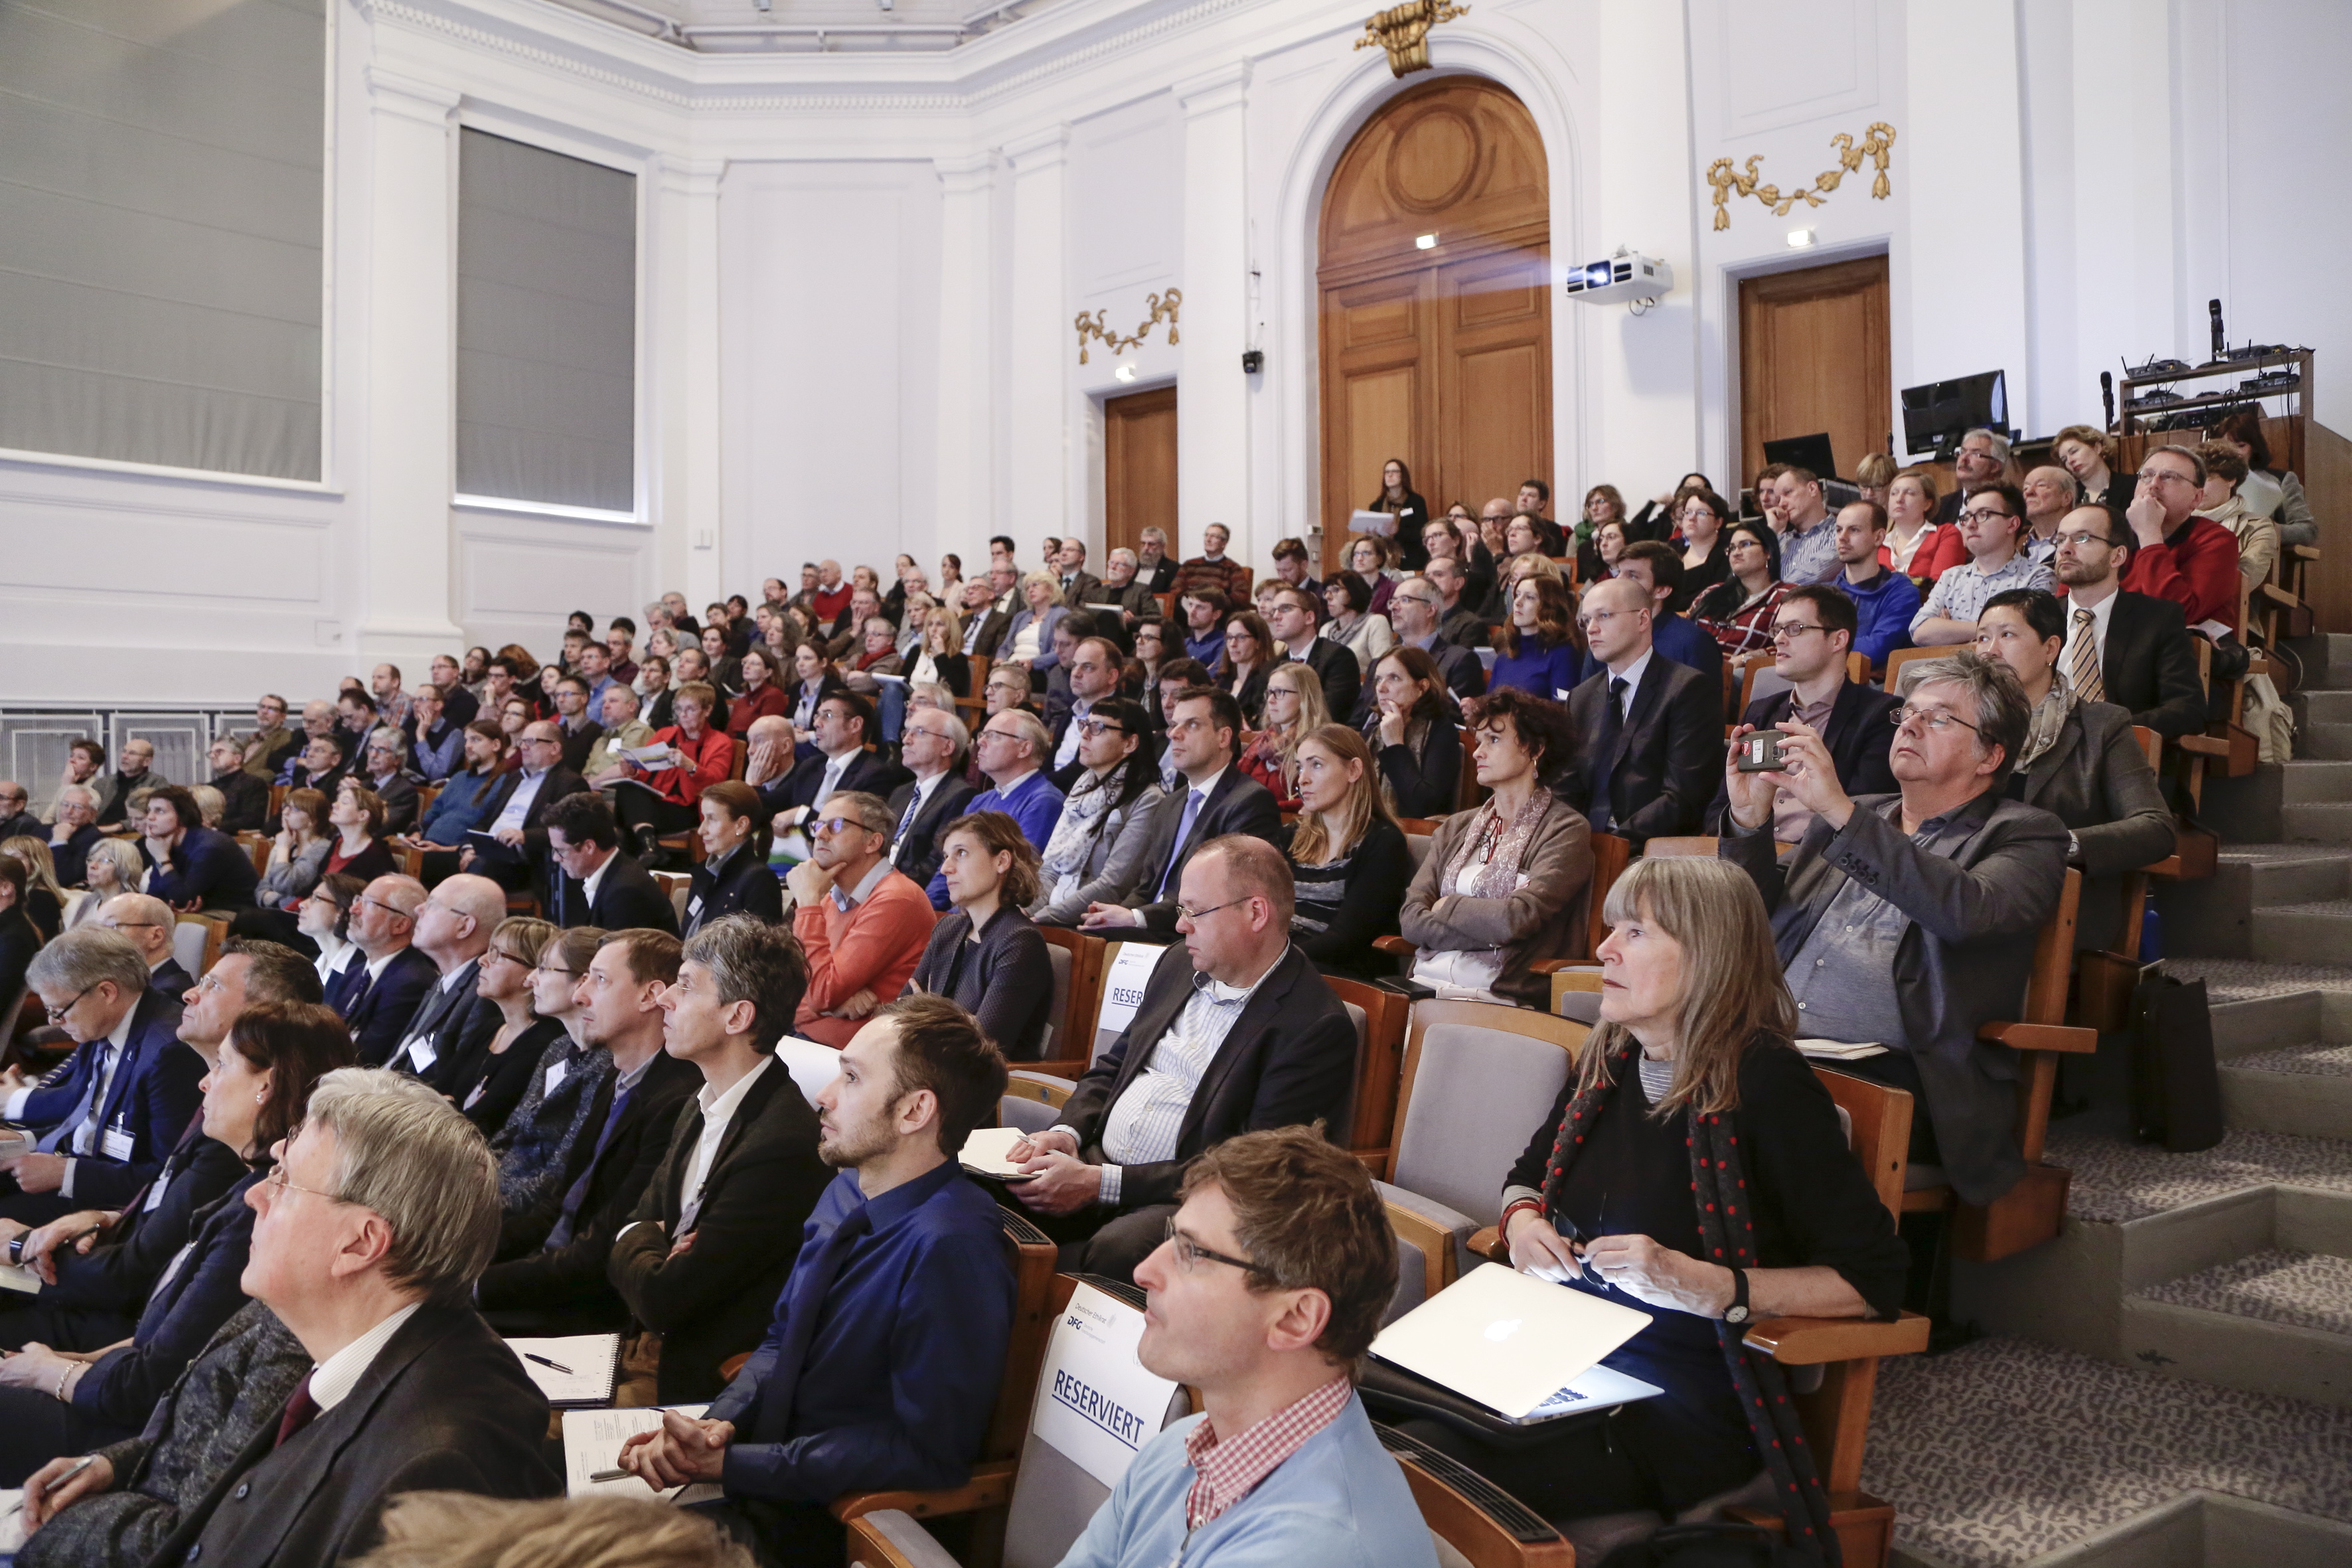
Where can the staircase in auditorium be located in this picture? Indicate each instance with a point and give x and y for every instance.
(2170, 1382)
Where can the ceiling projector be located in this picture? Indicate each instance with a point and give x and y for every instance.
(1624, 275)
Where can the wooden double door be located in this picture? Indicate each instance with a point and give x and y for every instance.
(1438, 353)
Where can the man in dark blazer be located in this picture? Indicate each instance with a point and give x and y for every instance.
(1203, 739)
(1649, 732)
(1816, 626)
(591, 881)
(1293, 621)
(451, 1024)
(1235, 1009)
(514, 815)
(742, 1196)
(835, 761)
(1942, 888)
(411, 1391)
(984, 624)
(386, 990)
(150, 925)
(931, 745)
(110, 1116)
(2145, 660)
(1071, 575)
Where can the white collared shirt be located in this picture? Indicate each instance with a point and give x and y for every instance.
(332, 1380)
(924, 788)
(595, 879)
(1632, 675)
(331, 957)
(85, 1137)
(2101, 614)
(1067, 751)
(517, 805)
(718, 1113)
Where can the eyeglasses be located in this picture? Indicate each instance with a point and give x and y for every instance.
(1197, 916)
(55, 1014)
(275, 1181)
(1190, 1254)
(379, 903)
(2163, 476)
(1929, 719)
(2079, 539)
(1590, 621)
(1093, 728)
(555, 969)
(1791, 632)
(830, 824)
(1985, 514)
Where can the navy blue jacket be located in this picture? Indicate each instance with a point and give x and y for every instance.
(153, 1097)
(743, 886)
(902, 1368)
(208, 868)
(72, 857)
(379, 1020)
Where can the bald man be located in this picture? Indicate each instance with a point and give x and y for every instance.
(150, 924)
(383, 993)
(452, 927)
(1649, 732)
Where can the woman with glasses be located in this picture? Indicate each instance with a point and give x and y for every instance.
(1095, 852)
(74, 1394)
(1504, 882)
(1403, 503)
(535, 1146)
(1413, 732)
(1352, 625)
(1700, 517)
(298, 855)
(1292, 706)
(1349, 861)
(487, 1082)
(1538, 652)
(322, 922)
(1603, 504)
(114, 867)
(985, 954)
(1738, 611)
(734, 878)
(1661, 516)
(1245, 664)
(1371, 561)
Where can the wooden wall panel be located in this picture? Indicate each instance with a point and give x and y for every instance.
(1138, 469)
(1813, 356)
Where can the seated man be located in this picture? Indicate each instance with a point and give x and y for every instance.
(1992, 526)
(435, 740)
(2123, 647)
(137, 772)
(245, 799)
(514, 818)
(465, 797)
(1235, 1031)
(1944, 886)
(716, 1229)
(1884, 600)
(1294, 621)
(863, 924)
(105, 1120)
(575, 722)
(837, 761)
(623, 732)
(383, 769)
(384, 992)
(2080, 763)
(1220, 800)
(1659, 570)
(1813, 630)
(1649, 735)
(1266, 1294)
(150, 924)
(929, 746)
(1089, 675)
(192, 867)
(2177, 555)
(1011, 750)
(888, 1345)
(1414, 607)
(368, 1235)
(594, 883)
(451, 1024)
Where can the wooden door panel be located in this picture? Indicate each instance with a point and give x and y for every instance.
(1511, 436)
(1507, 288)
(1813, 356)
(1139, 467)
(1380, 322)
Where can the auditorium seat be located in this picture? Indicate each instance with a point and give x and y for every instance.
(196, 941)
(1380, 1017)
(1077, 958)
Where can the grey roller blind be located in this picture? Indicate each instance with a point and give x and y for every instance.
(161, 231)
(547, 264)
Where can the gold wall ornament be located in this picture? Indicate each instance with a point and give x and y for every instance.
(1873, 146)
(1163, 307)
(1404, 32)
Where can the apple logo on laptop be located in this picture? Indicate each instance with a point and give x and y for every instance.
(1502, 1328)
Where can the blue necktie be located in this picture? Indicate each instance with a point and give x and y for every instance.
(577, 1193)
(1183, 831)
(802, 1306)
(57, 1135)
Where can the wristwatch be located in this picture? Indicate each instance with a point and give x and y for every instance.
(1738, 1311)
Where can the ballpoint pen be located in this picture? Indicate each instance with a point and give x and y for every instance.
(542, 1361)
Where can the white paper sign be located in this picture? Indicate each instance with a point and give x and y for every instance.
(1131, 972)
(1096, 1403)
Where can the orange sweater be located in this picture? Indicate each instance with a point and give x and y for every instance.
(873, 947)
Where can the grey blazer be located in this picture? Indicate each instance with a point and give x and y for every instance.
(2095, 780)
(1963, 959)
(1114, 863)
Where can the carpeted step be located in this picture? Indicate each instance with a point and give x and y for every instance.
(2117, 1180)
(2316, 781)
(2274, 1322)
(2332, 741)
(2329, 824)
(2318, 933)
(2302, 1089)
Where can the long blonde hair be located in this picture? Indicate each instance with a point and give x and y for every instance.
(1309, 844)
(40, 866)
(1312, 716)
(1732, 988)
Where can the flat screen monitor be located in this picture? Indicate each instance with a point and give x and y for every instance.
(1809, 452)
(1934, 416)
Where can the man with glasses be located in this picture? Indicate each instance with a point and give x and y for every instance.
(14, 819)
(514, 836)
(1219, 801)
(451, 1025)
(928, 746)
(459, 705)
(1649, 732)
(149, 923)
(245, 799)
(383, 993)
(1910, 919)
(1292, 620)
(2131, 650)
(1415, 610)
(1235, 1031)
(103, 1124)
(863, 924)
(1093, 674)
(1265, 1296)
(591, 881)
(984, 624)
(1813, 631)
(1213, 569)
(1884, 600)
(2177, 555)
(1992, 522)
(271, 742)
(1982, 459)
(837, 761)
(1010, 751)
(318, 724)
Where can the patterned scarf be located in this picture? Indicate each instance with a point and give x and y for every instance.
(1717, 1178)
(1083, 817)
(1504, 843)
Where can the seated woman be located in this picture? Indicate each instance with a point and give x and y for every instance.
(69, 1398)
(298, 855)
(323, 929)
(1352, 623)
(1293, 708)
(514, 714)
(726, 671)
(115, 865)
(464, 801)
(20, 939)
(44, 899)
(985, 954)
(734, 878)
(652, 801)
(2269, 491)
(763, 692)
(814, 679)
(1692, 1168)
(942, 655)
(1738, 612)
(357, 817)
(1413, 721)
(487, 1083)
(2224, 502)
(1029, 637)
(1096, 851)
(1247, 661)
(1347, 855)
(1539, 653)
(1914, 539)
(1505, 882)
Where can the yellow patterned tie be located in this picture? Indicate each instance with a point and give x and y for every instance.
(2084, 677)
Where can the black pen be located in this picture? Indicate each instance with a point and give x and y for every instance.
(544, 1361)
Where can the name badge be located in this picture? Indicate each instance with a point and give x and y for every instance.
(421, 1054)
(694, 905)
(116, 1143)
(556, 1075)
(154, 1196)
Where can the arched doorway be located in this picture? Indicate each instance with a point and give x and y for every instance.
(1435, 318)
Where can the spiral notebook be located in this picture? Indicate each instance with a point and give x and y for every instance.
(592, 1449)
(573, 1370)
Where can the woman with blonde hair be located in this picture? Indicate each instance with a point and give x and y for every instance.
(487, 1082)
(1693, 1168)
(1911, 527)
(1348, 857)
(45, 901)
(941, 658)
(2086, 452)
(1293, 708)
(114, 867)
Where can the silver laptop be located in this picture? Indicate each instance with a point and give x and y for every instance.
(1523, 1347)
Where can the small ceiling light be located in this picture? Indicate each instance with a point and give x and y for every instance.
(1124, 373)
(1800, 239)
(1425, 242)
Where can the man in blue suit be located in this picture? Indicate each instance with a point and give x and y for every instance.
(192, 866)
(384, 992)
(102, 1123)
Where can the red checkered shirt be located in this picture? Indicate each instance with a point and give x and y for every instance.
(1225, 1471)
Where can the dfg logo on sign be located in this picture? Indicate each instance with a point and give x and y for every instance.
(1096, 1401)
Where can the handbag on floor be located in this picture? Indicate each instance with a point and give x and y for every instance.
(2176, 1085)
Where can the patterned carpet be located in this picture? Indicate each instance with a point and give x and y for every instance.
(2304, 1289)
(2115, 1180)
(2245, 979)
(2317, 1061)
(2002, 1450)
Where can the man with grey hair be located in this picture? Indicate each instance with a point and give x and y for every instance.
(149, 923)
(624, 731)
(1155, 563)
(382, 1213)
(383, 769)
(930, 744)
(383, 993)
(71, 831)
(451, 1027)
(1124, 584)
(136, 772)
(1944, 886)
(1984, 459)
(104, 1123)
(1011, 748)
(15, 818)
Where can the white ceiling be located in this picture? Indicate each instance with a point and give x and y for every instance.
(808, 27)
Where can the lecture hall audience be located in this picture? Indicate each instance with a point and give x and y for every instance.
(985, 954)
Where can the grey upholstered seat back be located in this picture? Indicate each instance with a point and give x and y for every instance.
(1059, 957)
(1453, 1148)
(188, 945)
(1053, 1498)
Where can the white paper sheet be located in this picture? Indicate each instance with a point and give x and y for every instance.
(586, 1366)
(592, 1443)
(984, 1152)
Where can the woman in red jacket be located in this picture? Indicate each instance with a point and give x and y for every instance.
(762, 693)
(668, 799)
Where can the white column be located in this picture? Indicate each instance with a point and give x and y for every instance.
(682, 493)
(964, 512)
(403, 598)
(1043, 342)
(1212, 433)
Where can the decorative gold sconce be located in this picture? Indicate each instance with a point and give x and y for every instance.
(1404, 32)
(1163, 307)
(1874, 145)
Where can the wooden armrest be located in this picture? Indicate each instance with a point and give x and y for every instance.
(1489, 1245)
(1811, 1342)
(886, 1540)
(2202, 745)
(1556, 965)
(2303, 551)
(2042, 1037)
(1395, 944)
(990, 1487)
(2272, 591)
(1050, 1091)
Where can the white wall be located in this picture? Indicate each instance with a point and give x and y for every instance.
(860, 274)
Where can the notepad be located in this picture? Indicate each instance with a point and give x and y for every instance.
(1840, 1050)
(984, 1152)
(11, 1521)
(592, 1444)
(573, 1371)
(19, 1277)
(15, 1141)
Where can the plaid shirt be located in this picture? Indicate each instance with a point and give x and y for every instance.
(1224, 1471)
(1749, 627)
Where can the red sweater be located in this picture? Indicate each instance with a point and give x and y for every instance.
(2196, 567)
(829, 603)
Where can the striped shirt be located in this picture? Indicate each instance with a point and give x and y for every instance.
(1226, 1470)
(1144, 1123)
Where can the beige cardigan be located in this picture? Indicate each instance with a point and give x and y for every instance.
(1543, 919)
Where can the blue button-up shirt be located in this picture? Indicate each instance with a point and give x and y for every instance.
(902, 1371)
